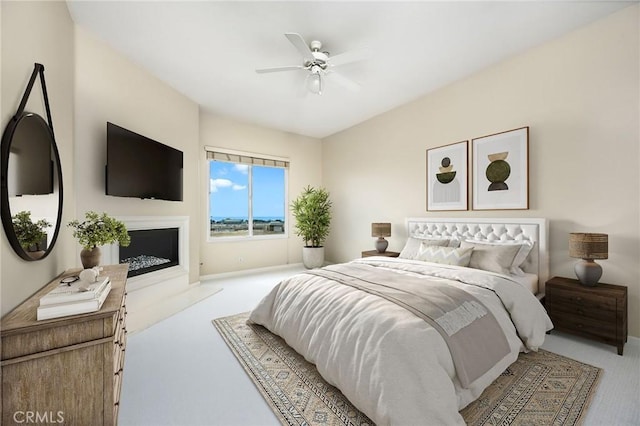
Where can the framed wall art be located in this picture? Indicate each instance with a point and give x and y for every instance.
(447, 177)
(501, 170)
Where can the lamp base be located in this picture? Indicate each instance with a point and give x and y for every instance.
(588, 272)
(381, 244)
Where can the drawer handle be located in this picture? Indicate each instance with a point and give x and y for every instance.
(580, 325)
(580, 311)
(578, 299)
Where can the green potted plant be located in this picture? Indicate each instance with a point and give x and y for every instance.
(95, 231)
(312, 210)
(31, 236)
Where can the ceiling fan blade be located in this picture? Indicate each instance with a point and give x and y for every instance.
(276, 69)
(343, 81)
(350, 56)
(302, 46)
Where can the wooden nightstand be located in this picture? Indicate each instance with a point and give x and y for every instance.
(598, 313)
(375, 253)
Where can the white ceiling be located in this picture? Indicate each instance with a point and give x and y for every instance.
(209, 50)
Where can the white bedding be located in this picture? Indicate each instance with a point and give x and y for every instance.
(529, 281)
(389, 363)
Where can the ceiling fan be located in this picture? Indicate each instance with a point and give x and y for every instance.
(319, 64)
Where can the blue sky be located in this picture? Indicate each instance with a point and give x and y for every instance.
(229, 190)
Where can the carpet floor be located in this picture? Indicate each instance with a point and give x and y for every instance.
(540, 388)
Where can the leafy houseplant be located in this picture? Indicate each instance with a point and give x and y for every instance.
(29, 234)
(95, 231)
(312, 210)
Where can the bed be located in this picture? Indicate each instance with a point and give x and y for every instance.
(414, 339)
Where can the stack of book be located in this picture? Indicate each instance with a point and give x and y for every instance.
(79, 297)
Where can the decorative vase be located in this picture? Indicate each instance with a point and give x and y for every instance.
(312, 257)
(90, 257)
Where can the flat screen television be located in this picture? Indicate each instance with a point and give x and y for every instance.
(140, 167)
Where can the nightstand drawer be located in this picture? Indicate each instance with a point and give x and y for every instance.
(563, 305)
(585, 326)
(581, 299)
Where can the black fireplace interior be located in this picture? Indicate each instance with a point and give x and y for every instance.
(150, 250)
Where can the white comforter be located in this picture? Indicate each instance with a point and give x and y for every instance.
(389, 363)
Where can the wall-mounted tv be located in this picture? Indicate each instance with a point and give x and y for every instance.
(140, 167)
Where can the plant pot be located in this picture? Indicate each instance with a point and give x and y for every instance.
(312, 257)
(35, 254)
(90, 257)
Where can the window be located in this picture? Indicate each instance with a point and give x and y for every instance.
(247, 195)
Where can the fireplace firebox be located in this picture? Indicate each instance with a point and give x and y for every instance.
(150, 250)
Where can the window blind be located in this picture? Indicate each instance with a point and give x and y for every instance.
(245, 158)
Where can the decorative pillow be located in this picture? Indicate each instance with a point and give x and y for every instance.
(492, 257)
(445, 255)
(412, 246)
(525, 248)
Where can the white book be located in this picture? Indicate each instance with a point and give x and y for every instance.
(74, 308)
(76, 291)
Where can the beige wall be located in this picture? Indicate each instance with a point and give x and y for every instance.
(38, 32)
(109, 87)
(580, 96)
(305, 155)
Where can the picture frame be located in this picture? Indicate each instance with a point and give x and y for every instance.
(448, 177)
(501, 171)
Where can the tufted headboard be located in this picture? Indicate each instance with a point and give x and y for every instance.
(491, 229)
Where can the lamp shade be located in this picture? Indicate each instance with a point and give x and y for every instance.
(380, 229)
(588, 246)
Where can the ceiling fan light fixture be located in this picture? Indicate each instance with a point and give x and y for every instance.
(314, 84)
(314, 80)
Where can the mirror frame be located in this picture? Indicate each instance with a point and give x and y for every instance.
(7, 137)
(5, 211)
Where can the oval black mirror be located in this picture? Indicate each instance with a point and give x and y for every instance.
(31, 190)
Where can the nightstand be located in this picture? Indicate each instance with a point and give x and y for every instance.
(598, 313)
(376, 253)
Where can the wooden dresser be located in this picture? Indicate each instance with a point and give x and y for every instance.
(598, 313)
(65, 370)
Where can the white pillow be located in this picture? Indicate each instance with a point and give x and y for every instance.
(445, 255)
(412, 246)
(492, 257)
(520, 257)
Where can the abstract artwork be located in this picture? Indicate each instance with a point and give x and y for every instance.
(447, 177)
(501, 170)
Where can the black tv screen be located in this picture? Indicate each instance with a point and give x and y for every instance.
(140, 167)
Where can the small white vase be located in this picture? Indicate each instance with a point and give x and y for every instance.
(312, 257)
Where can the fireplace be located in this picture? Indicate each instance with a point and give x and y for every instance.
(153, 269)
(150, 250)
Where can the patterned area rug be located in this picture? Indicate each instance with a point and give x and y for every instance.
(540, 388)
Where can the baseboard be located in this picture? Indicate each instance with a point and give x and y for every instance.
(243, 272)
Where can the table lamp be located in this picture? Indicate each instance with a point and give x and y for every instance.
(381, 230)
(588, 247)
